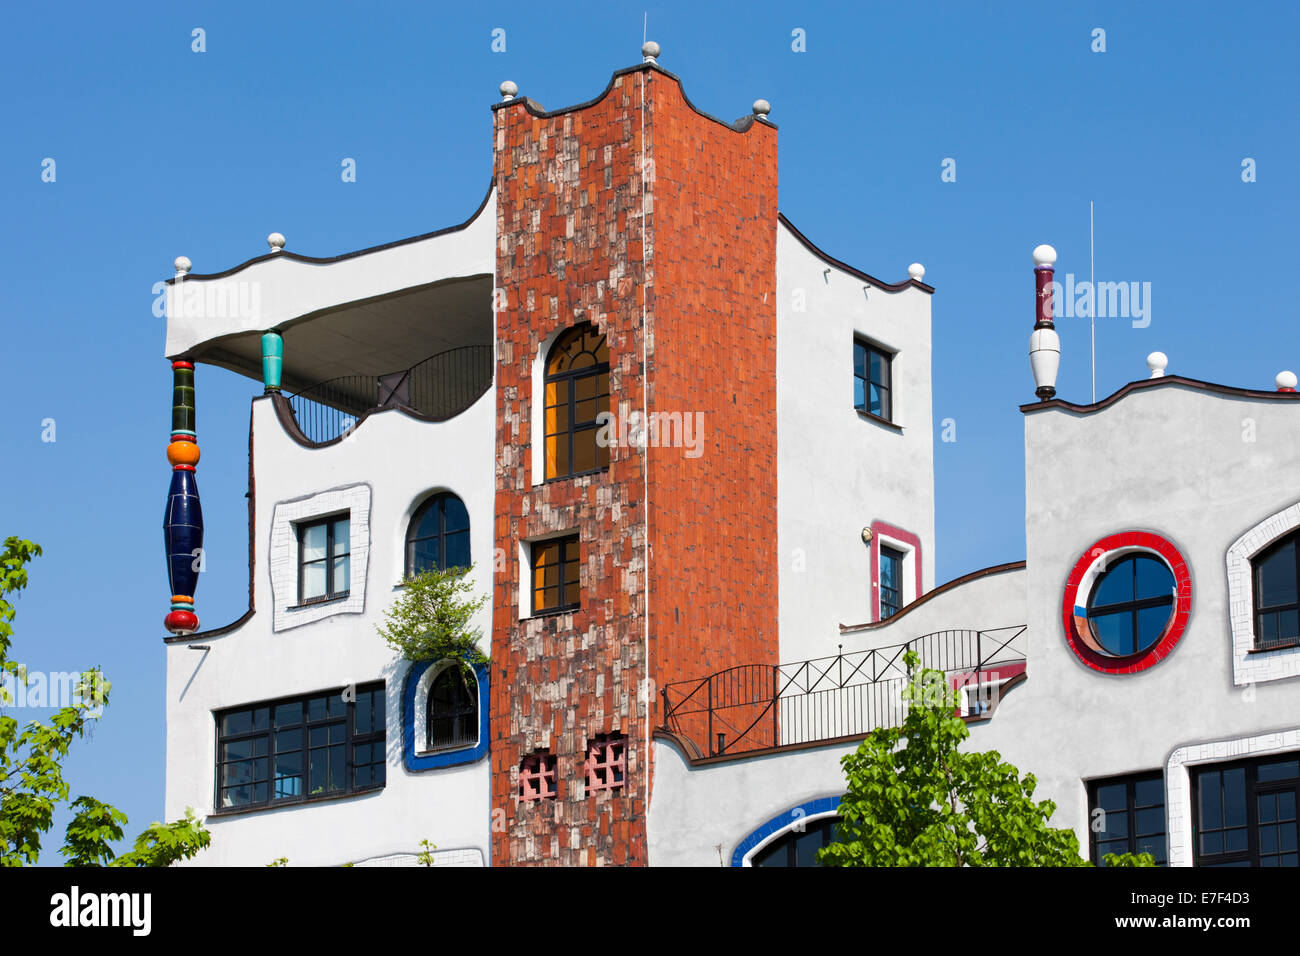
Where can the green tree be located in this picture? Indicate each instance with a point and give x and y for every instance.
(927, 803)
(31, 765)
(431, 618)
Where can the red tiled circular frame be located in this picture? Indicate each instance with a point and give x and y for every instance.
(1177, 622)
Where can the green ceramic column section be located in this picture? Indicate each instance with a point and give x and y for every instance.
(183, 401)
(272, 360)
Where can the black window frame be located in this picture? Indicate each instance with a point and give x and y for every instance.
(568, 379)
(1131, 807)
(787, 843)
(1254, 789)
(438, 501)
(465, 716)
(331, 594)
(276, 726)
(886, 387)
(899, 558)
(1131, 607)
(536, 549)
(1257, 611)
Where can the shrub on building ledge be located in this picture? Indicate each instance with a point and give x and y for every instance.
(430, 620)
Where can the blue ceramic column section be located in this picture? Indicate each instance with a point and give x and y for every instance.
(183, 517)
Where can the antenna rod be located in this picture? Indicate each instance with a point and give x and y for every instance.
(1092, 312)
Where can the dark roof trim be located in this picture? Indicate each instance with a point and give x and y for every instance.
(955, 582)
(826, 257)
(1193, 383)
(536, 109)
(284, 413)
(689, 751)
(285, 254)
(252, 560)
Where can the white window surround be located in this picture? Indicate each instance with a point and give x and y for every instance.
(748, 859)
(1178, 780)
(537, 430)
(1247, 667)
(422, 711)
(909, 570)
(283, 560)
(526, 568)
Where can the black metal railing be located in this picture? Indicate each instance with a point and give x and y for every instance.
(436, 389)
(755, 706)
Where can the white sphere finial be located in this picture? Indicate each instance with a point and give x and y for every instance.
(275, 241)
(183, 265)
(1044, 255)
(650, 50)
(1157, 362)
(762, 107)
(508, 90)
(916, 271)
(1285, 381)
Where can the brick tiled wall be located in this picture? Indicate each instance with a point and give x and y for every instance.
(579, 240)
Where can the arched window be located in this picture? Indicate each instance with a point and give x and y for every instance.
(452, 717)
(1131, 604)
(799, 845)
(577, 390)
(438, 536)
(1277, 593)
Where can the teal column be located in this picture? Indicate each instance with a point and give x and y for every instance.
(272, 360)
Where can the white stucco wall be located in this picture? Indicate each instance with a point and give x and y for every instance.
(401, 461)
(280, 289)
(838, 471)
(1171, 460)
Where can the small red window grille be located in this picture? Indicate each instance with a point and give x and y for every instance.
(606, 762)
(537, 776)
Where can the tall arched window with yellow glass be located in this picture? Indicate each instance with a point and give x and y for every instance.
(577, 391)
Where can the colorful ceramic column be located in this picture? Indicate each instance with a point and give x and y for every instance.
(272, 360)
(183, 519)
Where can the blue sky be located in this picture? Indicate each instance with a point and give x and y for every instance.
(160, 151)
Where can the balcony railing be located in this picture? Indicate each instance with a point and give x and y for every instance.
(757, 706)
(436, 389)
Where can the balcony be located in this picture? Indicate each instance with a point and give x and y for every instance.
(756, 707)
(435, 389)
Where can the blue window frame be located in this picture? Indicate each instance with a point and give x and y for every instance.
(891, 582)
(1131, 603)
(872, 380)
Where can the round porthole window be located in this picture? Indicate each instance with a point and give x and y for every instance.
(1127, 602)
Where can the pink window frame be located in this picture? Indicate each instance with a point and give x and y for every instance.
(898, 534)
(602, 762)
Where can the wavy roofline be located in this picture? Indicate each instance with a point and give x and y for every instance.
(1192, 383)
(831, 260)
(536, 109)
(935, 592)
(314, 260)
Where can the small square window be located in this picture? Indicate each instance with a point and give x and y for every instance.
(537, 776)
(324, 559)
(872, 380)
(555, 575)
(606, 762)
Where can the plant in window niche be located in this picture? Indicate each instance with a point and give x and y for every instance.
(431, 619)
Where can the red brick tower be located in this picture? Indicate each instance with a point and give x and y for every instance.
(656, 224)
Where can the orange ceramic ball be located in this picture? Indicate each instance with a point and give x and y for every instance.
(183, 453)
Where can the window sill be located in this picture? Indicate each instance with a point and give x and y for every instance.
(301, 801)
(576, 474)
(554, 612)
(317, 602)
(1275, 647)
(863, 413)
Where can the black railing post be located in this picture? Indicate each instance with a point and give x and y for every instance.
(710, 738)
(776, 698)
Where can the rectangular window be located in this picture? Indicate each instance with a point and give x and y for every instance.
(872, 383)
(1127, 815)
(1244, 813)
(606, 764)
(537, 776)
(555, 575)
(324, 558)
(299, 748)
(891, 582)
